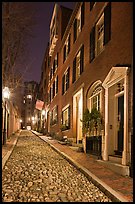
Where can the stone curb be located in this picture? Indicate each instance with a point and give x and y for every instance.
(112, 194)
(5, 158)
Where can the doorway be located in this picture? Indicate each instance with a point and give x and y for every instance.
(77, 115)
(120, 121)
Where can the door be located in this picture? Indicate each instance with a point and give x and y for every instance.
(120, 123)
(79, 118)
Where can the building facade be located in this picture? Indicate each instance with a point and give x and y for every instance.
(90, 65)
(29, 100)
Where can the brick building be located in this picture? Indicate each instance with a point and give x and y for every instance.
(29, 100)
(90, 65)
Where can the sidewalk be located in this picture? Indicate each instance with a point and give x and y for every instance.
(8, 148)
(118, 187)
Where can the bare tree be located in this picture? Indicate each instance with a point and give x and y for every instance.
(18, 19)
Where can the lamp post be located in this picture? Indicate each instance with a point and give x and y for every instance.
(6, 94)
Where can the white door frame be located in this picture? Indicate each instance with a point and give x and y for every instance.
(75, 113)
(114, 76)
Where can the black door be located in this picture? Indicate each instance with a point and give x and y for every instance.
(120, 123)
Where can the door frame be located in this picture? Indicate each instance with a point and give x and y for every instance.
(115, 75)
(75, 113)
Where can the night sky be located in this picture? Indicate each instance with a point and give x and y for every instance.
(37, 45)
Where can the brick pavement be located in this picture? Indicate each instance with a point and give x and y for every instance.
(122, 185)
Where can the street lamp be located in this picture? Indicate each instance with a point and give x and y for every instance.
(6, 94)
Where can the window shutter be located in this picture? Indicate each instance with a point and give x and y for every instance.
(82, 15)
(75, 29)
(68, 72)
(54, 67)
(69, 117)
(107, 23)
(82, 59)
(57, 59)
(74, 71)
(69, 44)
(92, 44)
(63, 82)
(50, 94)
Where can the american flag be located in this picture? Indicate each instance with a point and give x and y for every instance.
(39, 104)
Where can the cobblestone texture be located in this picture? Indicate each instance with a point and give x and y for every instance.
(36, 173)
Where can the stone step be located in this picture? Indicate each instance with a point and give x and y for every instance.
(115, 159)
(118, 168)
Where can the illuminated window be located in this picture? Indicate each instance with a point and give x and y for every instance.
(95, 98)
(78, 64)
(66, 118)
(100, 35)
(65, 81)
(66, 49)
(54, 116)
(29, 96)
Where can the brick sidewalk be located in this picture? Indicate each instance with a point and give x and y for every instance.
(9, 145)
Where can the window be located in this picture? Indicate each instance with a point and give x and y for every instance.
(54, 115)
(95, 98)
(66, 118)
(55, 64)
(78, 64)
(100, 34)
(65, 81)
(79, 21)
(66, 49)
(29, 96)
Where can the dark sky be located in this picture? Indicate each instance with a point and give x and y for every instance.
(38, 44)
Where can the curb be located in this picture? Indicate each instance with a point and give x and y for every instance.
(112, 194)
(5, 158)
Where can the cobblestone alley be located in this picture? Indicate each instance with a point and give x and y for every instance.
(36, 173)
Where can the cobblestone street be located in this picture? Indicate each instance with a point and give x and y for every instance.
(36, 173)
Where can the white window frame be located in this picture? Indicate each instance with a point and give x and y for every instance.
(65, 110)
(98, 92)
(78, 58)
(100, 39)
(78, 22)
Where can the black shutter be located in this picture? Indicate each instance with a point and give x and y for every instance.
(107, 23)
(82, 59)
(68, 75)
(63, 83)
(50, 95)
(74, 71)
(69, 44)
(91, 5)
(82, 15)
(53, 89)
(92, 44)
(57, 59)
(75, 29)
(54, 66)
(69, 117)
